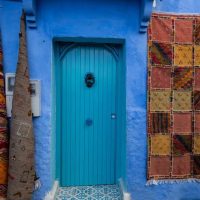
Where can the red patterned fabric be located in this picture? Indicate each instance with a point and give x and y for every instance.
(161, 29)
(184, 30)
(161, 77)
(182, 123)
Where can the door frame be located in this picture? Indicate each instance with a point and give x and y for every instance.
(120, 172)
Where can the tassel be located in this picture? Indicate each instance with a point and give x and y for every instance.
(173, 181)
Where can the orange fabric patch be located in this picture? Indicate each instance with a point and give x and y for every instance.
(183, 55)
(196, 55)
(197, 144)
(2, 99)
(3, 173)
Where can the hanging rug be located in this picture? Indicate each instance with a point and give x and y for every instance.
(173, 98)
(3, 132)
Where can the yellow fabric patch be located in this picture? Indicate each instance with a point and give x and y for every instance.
(160, 145)
(197, 55)
(197, 144)
(160, 101)
(3, 172)
(182, 101)
(183, 55)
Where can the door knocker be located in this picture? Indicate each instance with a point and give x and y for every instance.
(89, 80)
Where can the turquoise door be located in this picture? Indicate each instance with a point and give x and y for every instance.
(88, 114)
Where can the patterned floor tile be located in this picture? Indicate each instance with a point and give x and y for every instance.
(97, 192)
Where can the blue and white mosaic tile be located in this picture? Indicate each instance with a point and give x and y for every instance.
(97, 192)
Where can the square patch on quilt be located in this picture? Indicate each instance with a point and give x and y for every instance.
(182, 144)
(4, 151)
(196, 165)
(160, 77)
(3, 143)
(160, 144)
(183, 55)
(159, 166)
(183, 78)
(197, 55)
(197, 32)
(182, 123)
(160, 100)
(161, 53)
(160, 122)
(196, 144)
(3, 174)
(2, 99)
(197, 79)
(181, 165)
(3, 122)
(182, 101)
(197, 123)
(183, 31)
(161, 29)
(197, 100)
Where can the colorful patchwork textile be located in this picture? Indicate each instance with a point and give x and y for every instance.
(173, 97)
(3, 133)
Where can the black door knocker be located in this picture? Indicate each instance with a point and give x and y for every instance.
(89, 80)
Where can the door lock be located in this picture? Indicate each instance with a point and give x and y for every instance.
(88, 122)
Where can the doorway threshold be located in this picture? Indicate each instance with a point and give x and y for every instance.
(95, 192)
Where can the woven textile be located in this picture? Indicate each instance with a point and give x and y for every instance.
(3, 132)
(173, 97)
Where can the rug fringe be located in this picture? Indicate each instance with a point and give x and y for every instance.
(172, 181)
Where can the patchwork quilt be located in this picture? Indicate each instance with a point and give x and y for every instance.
(3, 132)
(173, 97)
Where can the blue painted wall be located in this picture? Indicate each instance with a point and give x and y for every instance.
(99, 19)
